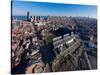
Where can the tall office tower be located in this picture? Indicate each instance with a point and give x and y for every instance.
(31, 17)
(28, 16)
(39, 17)
(34, 17)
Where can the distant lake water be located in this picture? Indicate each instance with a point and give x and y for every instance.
(19, 17)
(25, 17)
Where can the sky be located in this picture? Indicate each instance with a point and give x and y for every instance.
(53, 9)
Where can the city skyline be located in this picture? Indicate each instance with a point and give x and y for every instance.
(20, 8)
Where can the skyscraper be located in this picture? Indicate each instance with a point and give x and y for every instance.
(39, 17)
(34, 17)
(28, 16)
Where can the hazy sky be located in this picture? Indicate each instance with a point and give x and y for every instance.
(38, 8)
